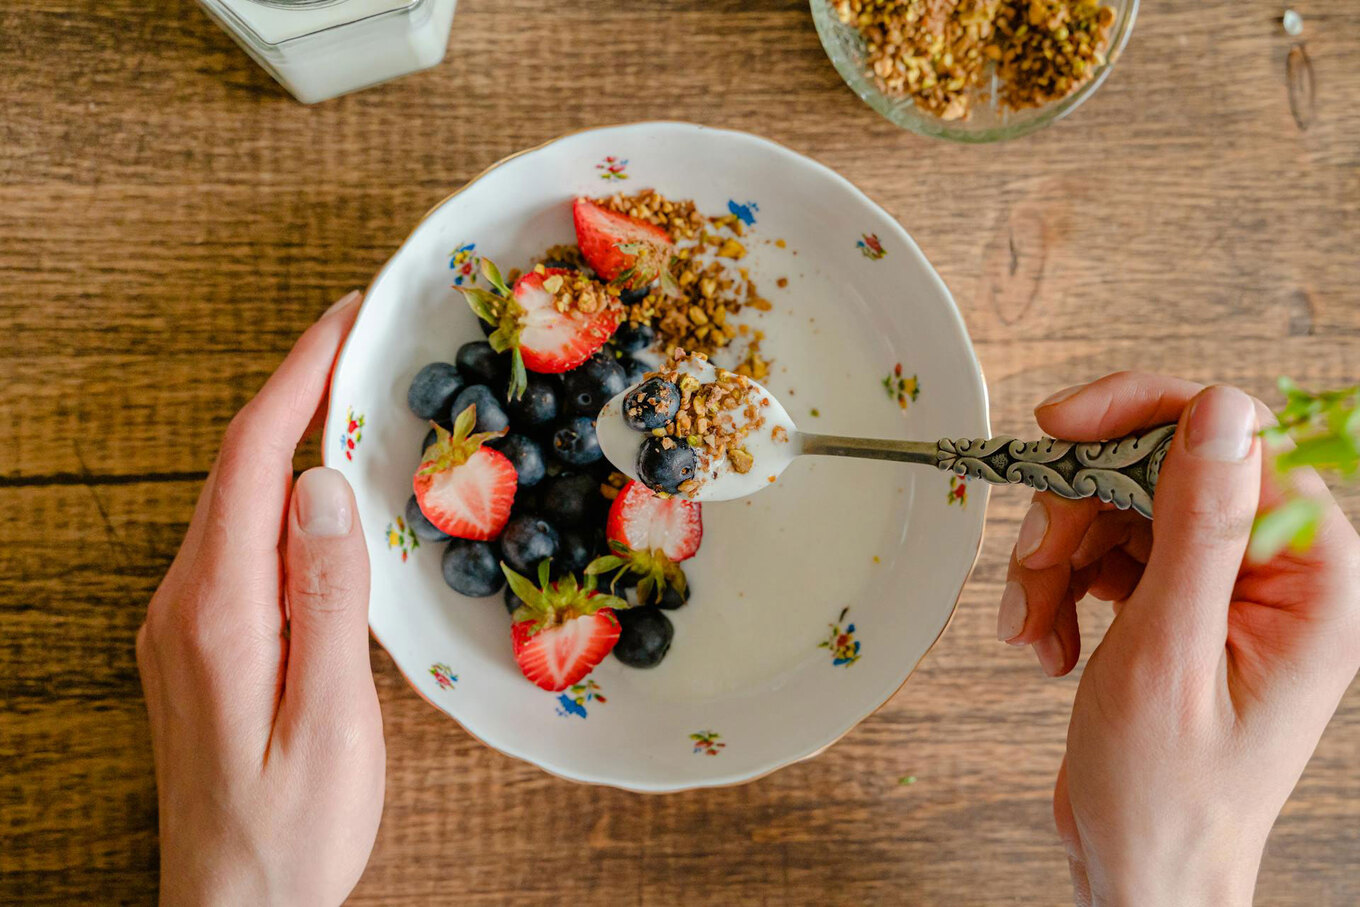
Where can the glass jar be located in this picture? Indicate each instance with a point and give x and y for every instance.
(318, 49)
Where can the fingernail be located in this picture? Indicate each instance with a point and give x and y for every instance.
(324, 503)
(1010, 617)
(1221, 425)
(342, 302)
(1032, 530)
(1061, 395)
(1050, 653)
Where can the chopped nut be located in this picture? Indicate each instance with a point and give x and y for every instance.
(741, 460)
(942, 54)
(732, 249)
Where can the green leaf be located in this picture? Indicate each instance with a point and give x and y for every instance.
(524, 589)
(519, 376)
(645, 589)
(544, 573)
(611, 601)
(1293, 523)
(493, 276)
(604, 564)
(483, 304)
(467, 419)
(669, 285)
(1337, 452)
(503, 339)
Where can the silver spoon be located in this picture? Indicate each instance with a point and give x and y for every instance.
(1122, 472)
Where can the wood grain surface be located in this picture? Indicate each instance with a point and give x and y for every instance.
(170, 220)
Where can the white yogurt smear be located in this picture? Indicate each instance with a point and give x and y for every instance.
(771, 450)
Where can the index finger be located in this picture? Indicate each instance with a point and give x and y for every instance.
(1116, 405)
(254, 469)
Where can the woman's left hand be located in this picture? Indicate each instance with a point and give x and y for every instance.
(254, 660)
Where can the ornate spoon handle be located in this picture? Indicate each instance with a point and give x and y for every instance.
(1122, 472)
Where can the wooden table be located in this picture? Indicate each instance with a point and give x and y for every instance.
(170, 221)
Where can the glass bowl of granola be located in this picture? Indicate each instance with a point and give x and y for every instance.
(753, 633)
(974, 70)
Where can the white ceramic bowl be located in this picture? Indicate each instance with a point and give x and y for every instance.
(814, 600)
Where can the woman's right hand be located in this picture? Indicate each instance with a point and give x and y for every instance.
(1199, 709)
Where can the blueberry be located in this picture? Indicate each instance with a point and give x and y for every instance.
(634, 370)
(663, 468)
(538, 406)
(432, 390)
(525, 455)
(671, 599)
(512, 601)
(571, 500)
(634, 295)
(651, 404)
(478, 363)
(472, 568)
(645, 637)
(559, 263)
(430, 437)
(490, 416)
(422, 527)
(526, 541)
(575, 442)
(592, 384)
(601, 469)
(575, 550)
(630, 338)
(528, 500)
(487, 327)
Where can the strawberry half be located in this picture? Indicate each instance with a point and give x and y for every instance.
(648, 535)
(463, 488)
(541, 335)
(644, 521)
(621, 249)
(563, 629)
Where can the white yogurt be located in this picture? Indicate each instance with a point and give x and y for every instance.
(771, 450)
(826, 534)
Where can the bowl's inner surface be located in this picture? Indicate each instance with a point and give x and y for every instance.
(889, 542)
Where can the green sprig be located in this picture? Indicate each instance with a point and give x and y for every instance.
(1325, 430)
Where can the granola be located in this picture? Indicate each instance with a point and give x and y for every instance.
(942, 53)
(700, 311)
(714, 418)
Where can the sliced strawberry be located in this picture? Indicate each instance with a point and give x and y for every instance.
(563, 629)
(645, 521)
(463, 488)
(529, 323)
(620, 248)
(554, 342)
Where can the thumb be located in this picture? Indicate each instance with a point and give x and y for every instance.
(1206, 500)
(326, 565)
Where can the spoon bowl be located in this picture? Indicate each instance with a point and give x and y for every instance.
(773, 446)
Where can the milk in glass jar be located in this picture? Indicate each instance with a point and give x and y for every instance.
(318, 49)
